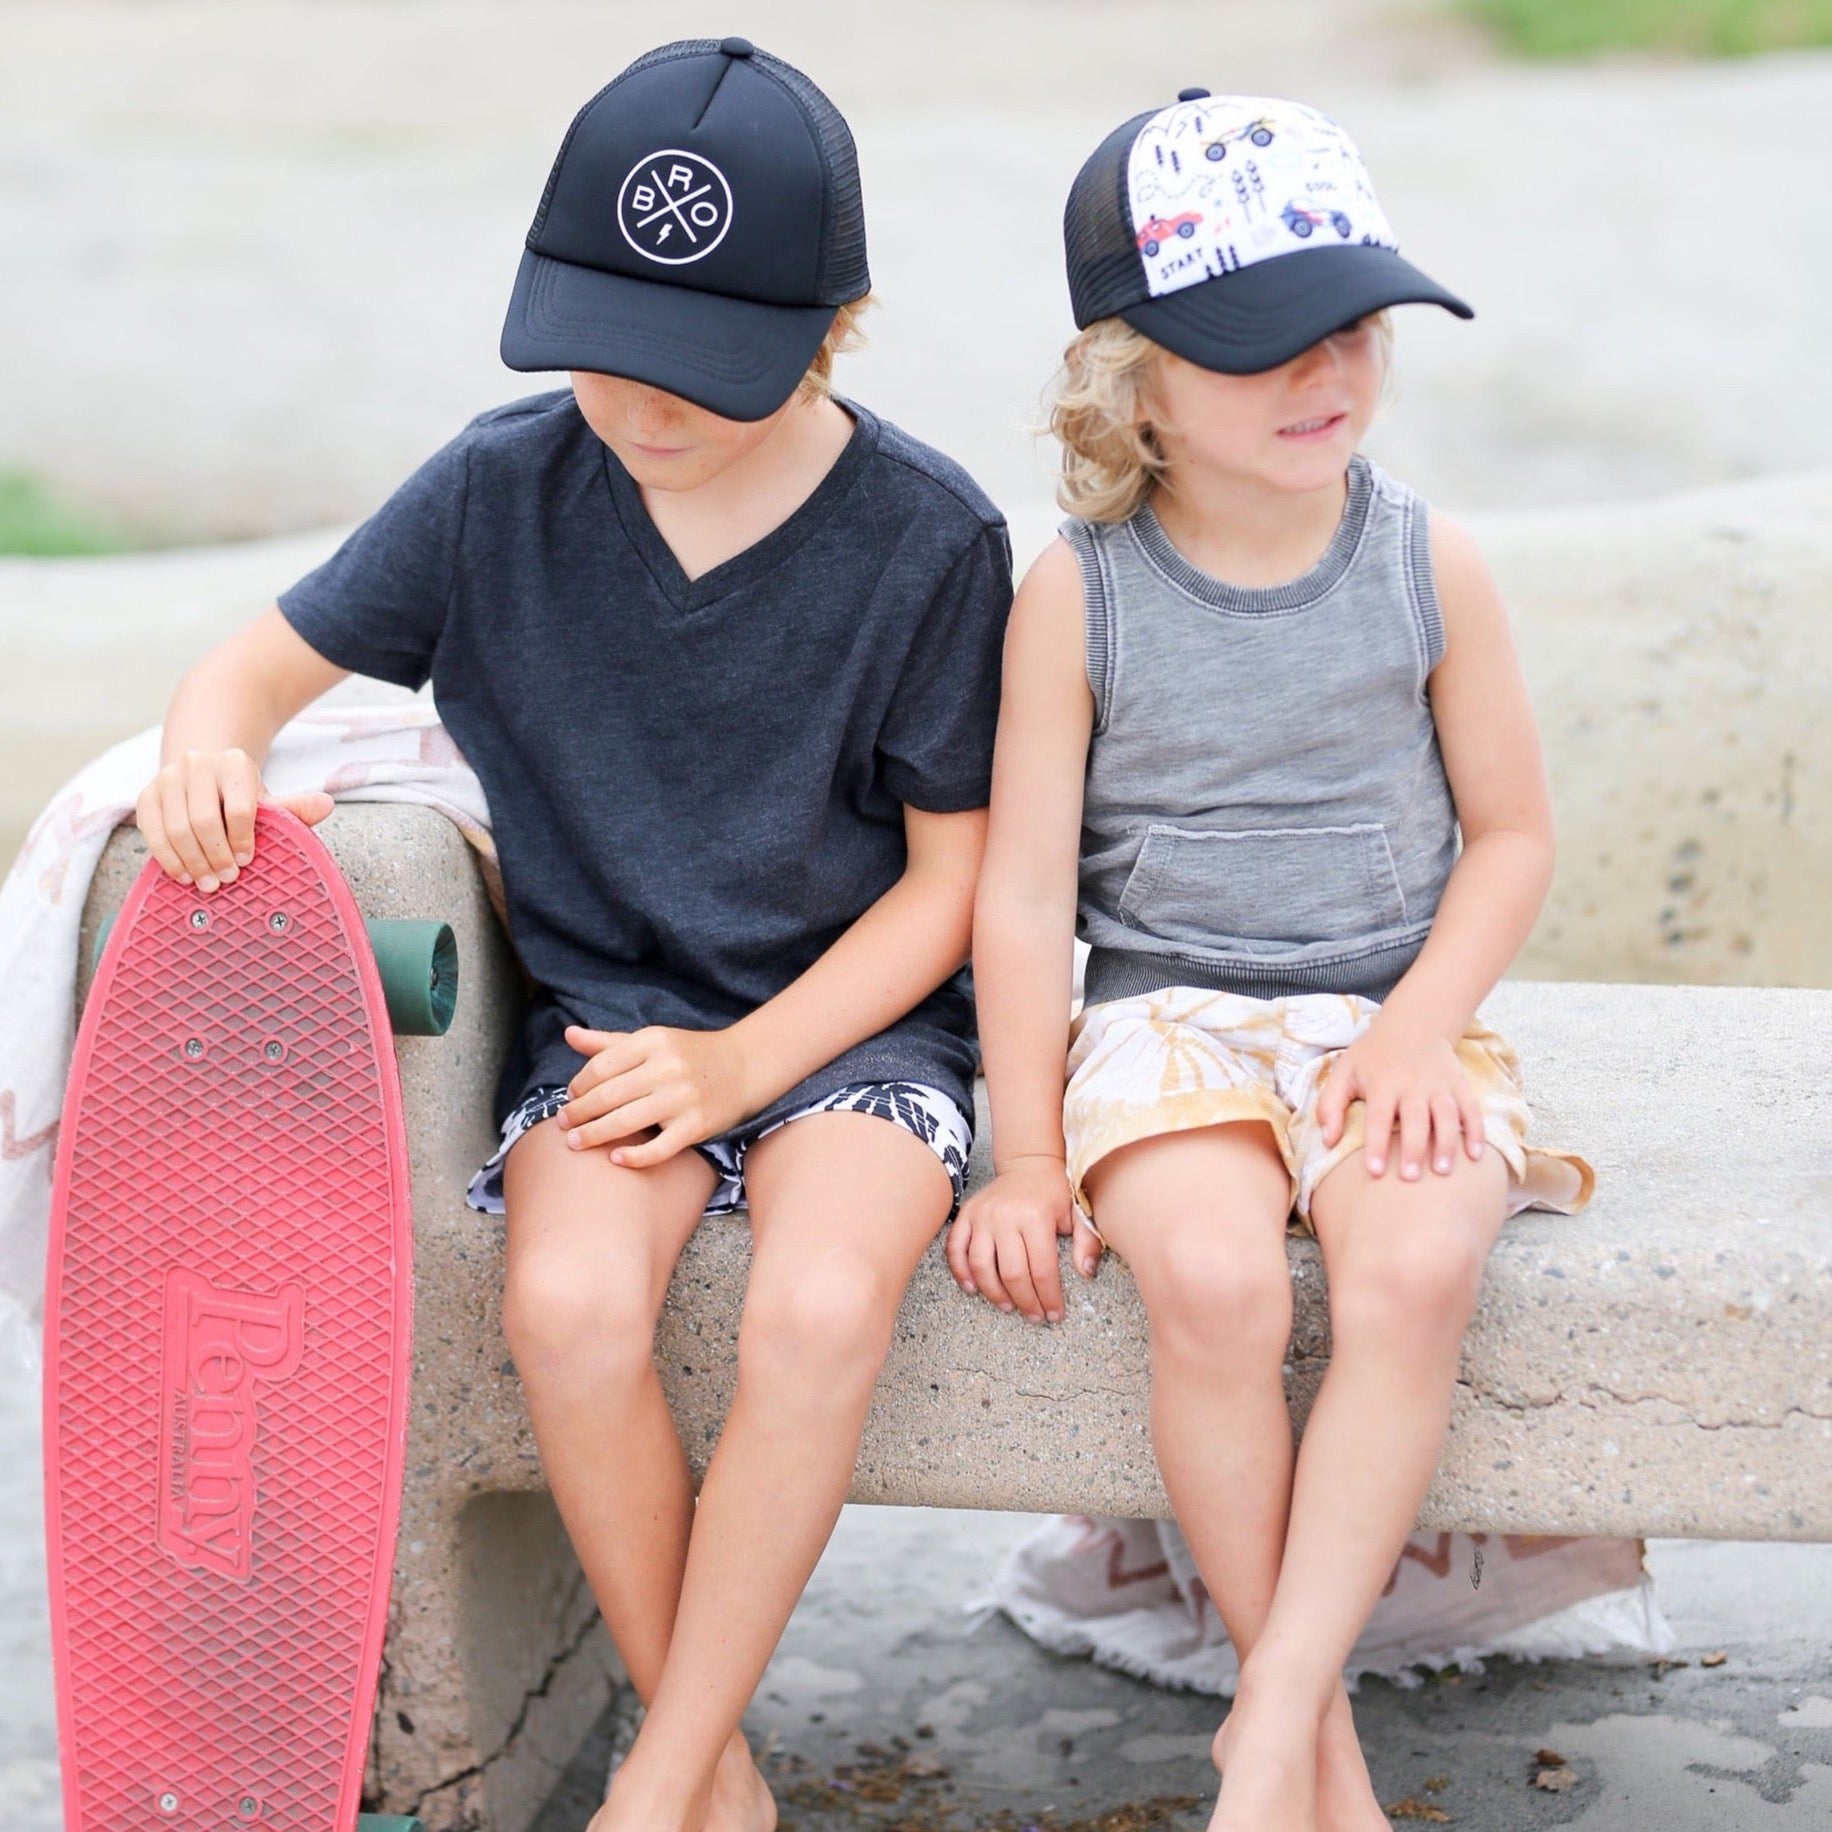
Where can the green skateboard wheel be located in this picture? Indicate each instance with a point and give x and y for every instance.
(386, 1822)
(419, 968)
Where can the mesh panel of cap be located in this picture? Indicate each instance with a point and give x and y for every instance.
(1105, 273)
(844, 275)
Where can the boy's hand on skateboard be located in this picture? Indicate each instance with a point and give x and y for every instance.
(1003, 1243)
(1408, 1080)
(681, 1085)
(197, 815)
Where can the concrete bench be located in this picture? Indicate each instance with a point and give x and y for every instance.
(1661, 1364)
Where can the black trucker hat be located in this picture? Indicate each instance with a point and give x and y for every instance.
(700, 228)
(1236, 231)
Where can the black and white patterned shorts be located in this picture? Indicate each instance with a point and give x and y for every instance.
(926, 1113)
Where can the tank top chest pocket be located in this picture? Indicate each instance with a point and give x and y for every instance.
(1211, 886)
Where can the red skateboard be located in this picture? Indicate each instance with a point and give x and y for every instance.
(227, 1349)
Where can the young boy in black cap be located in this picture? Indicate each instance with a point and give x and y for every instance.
(724, 654)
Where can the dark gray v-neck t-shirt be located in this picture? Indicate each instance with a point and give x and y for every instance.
(696, 785)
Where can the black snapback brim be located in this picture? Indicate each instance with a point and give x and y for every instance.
(1261, 316)
(738, 358)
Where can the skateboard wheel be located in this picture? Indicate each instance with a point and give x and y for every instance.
(418, 963)
(386, 1822)
(419, 968)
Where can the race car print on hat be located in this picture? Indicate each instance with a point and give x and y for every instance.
(1236, 231)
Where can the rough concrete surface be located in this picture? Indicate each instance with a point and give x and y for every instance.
(1661, 1362)
(1680, 661)
(880, 1650)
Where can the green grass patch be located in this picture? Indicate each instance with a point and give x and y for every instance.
(1691, 28)
(33, 521)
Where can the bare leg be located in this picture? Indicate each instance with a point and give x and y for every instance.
(1405, 1266)
(591, 1249)
(1200, 1219)
(842, 1206)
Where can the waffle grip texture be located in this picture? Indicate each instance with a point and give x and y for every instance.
(227, 1347)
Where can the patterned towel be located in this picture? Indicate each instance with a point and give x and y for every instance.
(1126, 1594)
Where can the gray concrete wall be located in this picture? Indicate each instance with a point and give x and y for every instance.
(1680, 659)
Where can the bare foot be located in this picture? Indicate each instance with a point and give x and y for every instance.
(1346, 1801)
(1268, 1762)
(741, 1798)
(738, 1801)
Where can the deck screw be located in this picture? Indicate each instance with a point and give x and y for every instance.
(168, 1804)
(275, 1051)
(193, 1047)
(277, 922)
(200, 919)
(248, 1806)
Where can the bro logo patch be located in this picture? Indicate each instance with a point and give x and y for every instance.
(674, 207)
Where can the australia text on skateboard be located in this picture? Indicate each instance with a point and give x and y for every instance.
(227, 1330)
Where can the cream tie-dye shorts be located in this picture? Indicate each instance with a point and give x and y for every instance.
(1182, 1058)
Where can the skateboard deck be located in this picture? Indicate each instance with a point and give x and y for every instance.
(227, 1349)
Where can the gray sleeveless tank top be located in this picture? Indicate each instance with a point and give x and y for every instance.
(1266, 810)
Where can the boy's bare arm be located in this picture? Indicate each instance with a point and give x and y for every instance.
(1024, 917)
(1004, 1244)
(1497, 776)
(1404, 1067)
(198, 813)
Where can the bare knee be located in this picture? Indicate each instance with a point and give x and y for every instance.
(823, 1326)
(1218, 1300)
(1417, 1287)
(576, 1316)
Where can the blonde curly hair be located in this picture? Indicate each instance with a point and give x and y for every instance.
(1099, 409)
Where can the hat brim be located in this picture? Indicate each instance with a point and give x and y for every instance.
(737, 358)
(1261, 316)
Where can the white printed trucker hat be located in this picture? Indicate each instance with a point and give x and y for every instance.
(1236, 231)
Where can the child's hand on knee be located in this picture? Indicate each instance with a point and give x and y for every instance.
(1407, 1079)
(197, 815)
(678, 1086)
(1003, 1243)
